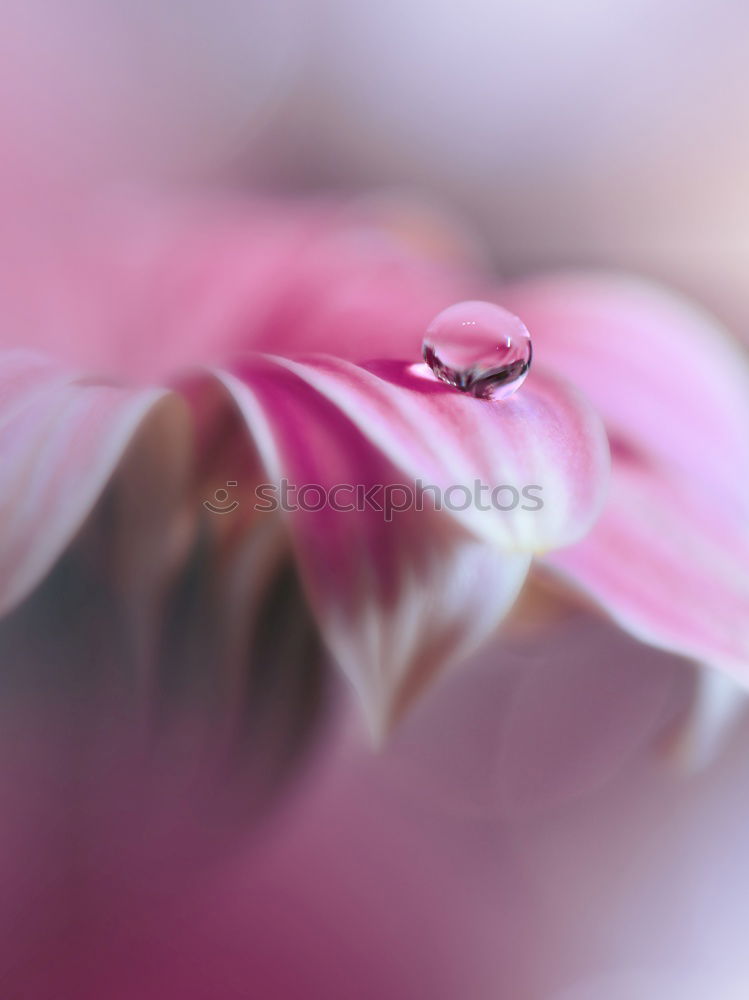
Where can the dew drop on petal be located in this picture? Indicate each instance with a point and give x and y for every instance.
(479, 348)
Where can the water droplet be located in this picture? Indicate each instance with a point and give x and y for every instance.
(479, 348)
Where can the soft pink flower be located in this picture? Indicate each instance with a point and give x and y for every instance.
(171, 354)
(524, 829)
(391, 597)
(216, 289)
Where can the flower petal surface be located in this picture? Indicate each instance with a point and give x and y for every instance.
(61, 438)
(402, 588)
(669, 558)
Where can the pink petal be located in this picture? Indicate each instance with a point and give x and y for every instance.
(215, 277)
(61, 437)
(546, 435)
(668, 570)
(398, 599)
(714, 712)
(668, 558)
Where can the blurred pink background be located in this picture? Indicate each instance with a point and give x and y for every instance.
(607, 134)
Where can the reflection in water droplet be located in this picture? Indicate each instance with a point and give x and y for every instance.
(479, 348)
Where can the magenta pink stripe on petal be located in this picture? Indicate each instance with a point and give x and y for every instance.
(546, 435)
